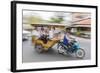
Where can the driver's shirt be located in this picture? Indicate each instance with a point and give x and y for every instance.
(65, 40)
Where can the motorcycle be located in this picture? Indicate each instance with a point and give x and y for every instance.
(72, 47)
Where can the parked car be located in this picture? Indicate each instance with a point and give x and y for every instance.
(26, 35)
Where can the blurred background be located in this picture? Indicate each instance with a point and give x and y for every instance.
(77, 23)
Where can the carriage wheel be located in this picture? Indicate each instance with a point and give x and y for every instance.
(39, 48)
(80, 53)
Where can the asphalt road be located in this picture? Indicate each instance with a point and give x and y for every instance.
(30, 55)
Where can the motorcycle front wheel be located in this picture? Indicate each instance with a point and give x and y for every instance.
(80, 53)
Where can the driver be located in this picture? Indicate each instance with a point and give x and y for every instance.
(67, 39)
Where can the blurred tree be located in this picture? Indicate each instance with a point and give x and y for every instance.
(57, 18)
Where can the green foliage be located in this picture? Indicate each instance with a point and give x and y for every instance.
(78, 33)
(56, 20)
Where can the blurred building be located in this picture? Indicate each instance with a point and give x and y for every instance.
(81, 24)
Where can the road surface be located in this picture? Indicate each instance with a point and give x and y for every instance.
(30, 55)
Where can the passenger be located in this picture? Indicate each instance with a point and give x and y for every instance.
(46, 31)
(36, 33)
(42, 31)
(51, 33)
(44, 35)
